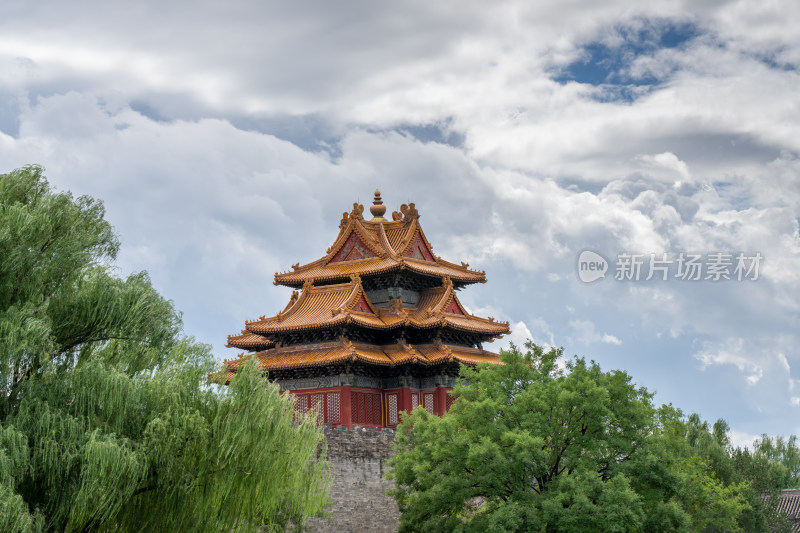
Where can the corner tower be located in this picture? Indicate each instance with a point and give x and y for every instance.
(374, 327)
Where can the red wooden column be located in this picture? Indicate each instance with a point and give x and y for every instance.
(440, 400)
(346, 411)
(405, 400)
(404, 397)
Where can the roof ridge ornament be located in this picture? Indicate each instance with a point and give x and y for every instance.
(351, 349)
(408, 212)
(449, 352)
(377, 208)
(356, 214)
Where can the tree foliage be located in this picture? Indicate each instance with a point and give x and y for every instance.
(534, 446)
(783, 455)
(105, 424)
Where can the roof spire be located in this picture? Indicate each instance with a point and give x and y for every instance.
(377, 208)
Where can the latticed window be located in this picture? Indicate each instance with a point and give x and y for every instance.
(333, 414)
(414, 401)
(325, 407)
(316, 405)
(300, 407)
(428, 401)
(366, 408)
(369, 407)
(360, 407)
(450, 400)
(391, 408)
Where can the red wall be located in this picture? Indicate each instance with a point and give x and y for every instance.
(359, 406)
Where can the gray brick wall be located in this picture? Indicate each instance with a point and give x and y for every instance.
(358, 464)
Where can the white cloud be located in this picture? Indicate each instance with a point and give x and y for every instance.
(784, 362)
(669, 161)
(740, 439)
(755, 358)
(730, 353)
(586, 333)
(520, 334)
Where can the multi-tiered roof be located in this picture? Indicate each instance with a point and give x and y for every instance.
(379, 303)
(378, 246)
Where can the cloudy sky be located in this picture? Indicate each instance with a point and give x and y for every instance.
(226, 139)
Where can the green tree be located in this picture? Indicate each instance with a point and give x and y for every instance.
(531, 446)
(105, 421)
(527, 446)
(783, 454)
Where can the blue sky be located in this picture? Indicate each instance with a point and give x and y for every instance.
(226, 141)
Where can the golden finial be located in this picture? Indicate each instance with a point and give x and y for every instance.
(377, 208)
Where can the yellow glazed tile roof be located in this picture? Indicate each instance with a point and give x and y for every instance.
(329, 305)
(387, 244)
(285, 358)
(248, 341)
(367, 248)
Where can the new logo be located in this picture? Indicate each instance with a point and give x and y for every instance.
(591, 266)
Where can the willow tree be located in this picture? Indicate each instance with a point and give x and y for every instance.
(105, 422)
